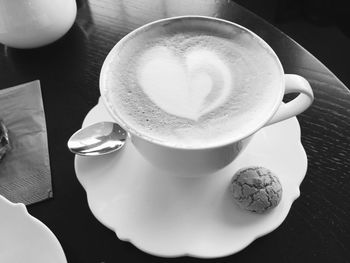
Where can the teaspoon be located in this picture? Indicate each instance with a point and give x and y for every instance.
(97, 139)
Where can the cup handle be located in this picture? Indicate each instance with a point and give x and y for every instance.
(294, 84)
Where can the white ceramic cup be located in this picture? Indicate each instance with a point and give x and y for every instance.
(195, 162)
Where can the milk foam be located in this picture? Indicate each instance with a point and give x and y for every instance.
(190, 89)
(181, 85)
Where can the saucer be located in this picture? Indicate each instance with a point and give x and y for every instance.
(24, 238)
(171, 216)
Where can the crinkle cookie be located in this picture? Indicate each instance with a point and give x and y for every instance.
(256, 189)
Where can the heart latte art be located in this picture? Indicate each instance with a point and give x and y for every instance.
(187, 86)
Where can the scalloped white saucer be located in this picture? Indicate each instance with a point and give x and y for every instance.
(24, 238)
(172, 216)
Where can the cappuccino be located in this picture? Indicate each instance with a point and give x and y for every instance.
(191, 84)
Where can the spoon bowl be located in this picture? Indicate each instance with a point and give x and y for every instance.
(97, 139)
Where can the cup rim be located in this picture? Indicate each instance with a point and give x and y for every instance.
(259, 124)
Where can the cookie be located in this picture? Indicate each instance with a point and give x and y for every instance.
(256, 189)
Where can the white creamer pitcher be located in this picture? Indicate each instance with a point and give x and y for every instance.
(35, 23)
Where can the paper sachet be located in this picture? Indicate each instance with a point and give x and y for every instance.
(4, 140)
(25, 170)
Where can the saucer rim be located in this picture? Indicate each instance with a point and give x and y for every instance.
(38, 226)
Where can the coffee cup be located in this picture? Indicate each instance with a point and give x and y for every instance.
(193, 90)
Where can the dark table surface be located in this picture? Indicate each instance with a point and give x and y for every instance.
(317, 227)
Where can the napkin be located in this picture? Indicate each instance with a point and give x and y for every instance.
(25, 174)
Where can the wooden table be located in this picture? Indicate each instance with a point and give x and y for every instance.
(317, 228)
